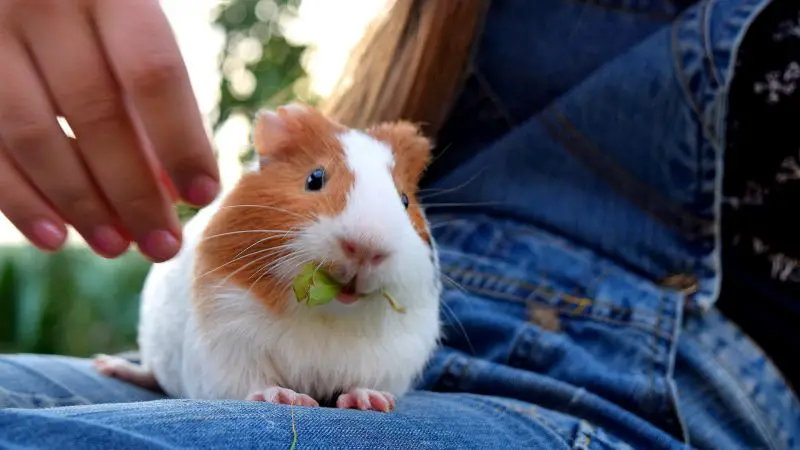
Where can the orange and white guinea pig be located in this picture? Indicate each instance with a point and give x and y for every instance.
(220, 320)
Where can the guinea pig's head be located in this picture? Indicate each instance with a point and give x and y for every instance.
(342, 199)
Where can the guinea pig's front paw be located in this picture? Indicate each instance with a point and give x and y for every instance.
(281, 396)
(366, 399)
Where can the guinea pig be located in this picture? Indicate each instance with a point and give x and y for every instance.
(221, 321)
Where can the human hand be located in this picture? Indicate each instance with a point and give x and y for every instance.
(112, 68)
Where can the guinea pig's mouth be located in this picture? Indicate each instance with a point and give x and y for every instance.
(348, 294)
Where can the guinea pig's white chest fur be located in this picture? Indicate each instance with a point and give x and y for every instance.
(203, 334)
(322, 357)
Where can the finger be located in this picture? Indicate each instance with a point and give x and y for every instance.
(26, 209)
(40, 149)
(153, 74)
(87, 94)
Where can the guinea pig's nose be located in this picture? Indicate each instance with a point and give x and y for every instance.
(363, 254)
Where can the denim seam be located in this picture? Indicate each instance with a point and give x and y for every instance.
(39, 374)
(707, 46)
(531, 411)
(672, 387)
(571, 313)
(656, 354)
(702, 50)
(579, 146)
(491, 405)
(487, 90)
(680, 75)
(670, 401)
(578, 305)
(71, 399)
(743, 397)
(534, 290)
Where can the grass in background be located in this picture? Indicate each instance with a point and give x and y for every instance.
(72, 302)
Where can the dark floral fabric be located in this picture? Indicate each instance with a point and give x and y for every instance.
(761, 211)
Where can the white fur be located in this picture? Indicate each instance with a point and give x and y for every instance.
(317, 351)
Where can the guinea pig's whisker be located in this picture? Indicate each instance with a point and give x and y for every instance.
(276, 263)
(238, 259)
(455, 284)
(292, 265)
(244, 266)
(267, 207)
(435, 192)
(460, 325)
(437, 225)
(260, 241)
(275, 250)
(231, 233)
(451, 205)
(281, 278)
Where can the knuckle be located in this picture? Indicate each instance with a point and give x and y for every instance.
(19, 12)
(156, 75)
(82, 207)
(138, 205)
(17, 208)
(96, 108)
(36, 7)
(27, 137)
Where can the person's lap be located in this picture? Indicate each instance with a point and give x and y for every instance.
(422, 420)
(594, 376)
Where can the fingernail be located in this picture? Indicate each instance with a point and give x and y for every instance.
(108, 241)
(48, 234)
(160, 245)
(202, 190)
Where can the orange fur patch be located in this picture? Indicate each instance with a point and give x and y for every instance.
(307, 142)
(412, 153)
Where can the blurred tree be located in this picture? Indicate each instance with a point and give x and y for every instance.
(76, 303)
(260, 67)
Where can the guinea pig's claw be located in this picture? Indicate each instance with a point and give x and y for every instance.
(282, 396)
(366, 399)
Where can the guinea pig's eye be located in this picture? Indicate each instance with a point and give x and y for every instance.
(316, 180)
(404, 199)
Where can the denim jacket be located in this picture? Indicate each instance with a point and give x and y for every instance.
(576, 195)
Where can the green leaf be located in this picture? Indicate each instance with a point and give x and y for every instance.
(321, 294)
(302, 283)
(314, 286)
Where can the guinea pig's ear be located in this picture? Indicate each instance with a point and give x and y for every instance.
(411, 149)
(273, 129)
(270, 133)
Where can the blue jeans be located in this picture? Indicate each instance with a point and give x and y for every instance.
(580, 283)
(549, 346)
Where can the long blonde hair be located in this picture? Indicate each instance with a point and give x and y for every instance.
(409, 65)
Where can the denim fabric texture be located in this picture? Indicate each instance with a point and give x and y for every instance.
(576, 203)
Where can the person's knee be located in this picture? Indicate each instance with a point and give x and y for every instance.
(40, 381)
(33, 381)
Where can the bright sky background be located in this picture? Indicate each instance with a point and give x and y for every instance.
(330, 27)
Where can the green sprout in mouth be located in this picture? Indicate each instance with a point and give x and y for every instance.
(315, 287)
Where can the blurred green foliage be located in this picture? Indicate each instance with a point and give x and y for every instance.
(76, 303)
